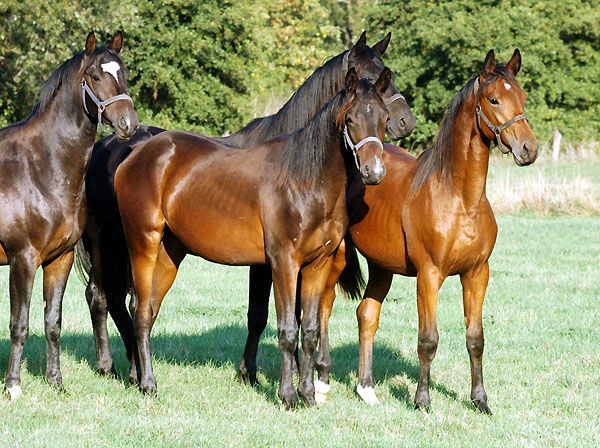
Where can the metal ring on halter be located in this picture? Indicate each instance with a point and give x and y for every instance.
(497, 129)
(354, 148)
(101, 105)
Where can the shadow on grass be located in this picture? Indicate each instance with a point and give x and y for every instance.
(223, 347)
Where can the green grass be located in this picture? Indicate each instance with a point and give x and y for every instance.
(541, 364)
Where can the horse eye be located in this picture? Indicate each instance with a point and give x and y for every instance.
(493, 100)
(348, 120)
(96, 78)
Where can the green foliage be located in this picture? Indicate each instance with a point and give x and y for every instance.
(437, 46)
(209, 66)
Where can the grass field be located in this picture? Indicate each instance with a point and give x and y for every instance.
(541, 363)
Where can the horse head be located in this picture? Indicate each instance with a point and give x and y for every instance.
(500, 109)
(104, 87)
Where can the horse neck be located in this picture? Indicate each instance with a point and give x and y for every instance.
(69, 135)
(310, 97)
(469, 158)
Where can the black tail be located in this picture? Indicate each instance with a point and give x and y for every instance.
(83, 263)
(351, 280)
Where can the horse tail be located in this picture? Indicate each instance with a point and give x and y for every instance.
(83, 262)
(351, 280)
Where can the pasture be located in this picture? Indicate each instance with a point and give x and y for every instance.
(541, 361)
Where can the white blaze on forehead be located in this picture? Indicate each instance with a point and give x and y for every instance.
(507, 86)
(111, 67)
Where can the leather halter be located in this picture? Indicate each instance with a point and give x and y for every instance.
(495, 129)
(354, 148)
(101, 105)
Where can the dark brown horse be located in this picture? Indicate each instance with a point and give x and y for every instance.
(42, 166)
(430, 218)
(281, 203)
(104, 255)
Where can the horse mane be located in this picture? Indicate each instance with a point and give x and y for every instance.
(63, 74)
(306, 150)
(436, 158)
(324, 83)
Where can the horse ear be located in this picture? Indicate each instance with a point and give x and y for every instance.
(351, 80)
(361, 44)
(489, 64)
(514, 65)
(382, 45)
(384, 79)
(117, 42)
(90, 43)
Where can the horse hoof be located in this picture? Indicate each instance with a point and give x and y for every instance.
(367, 394)
(148, 389)
(107, 371)
(423, 402)
(14, 392)
(288, 401)
(321, 391)
(482, 406)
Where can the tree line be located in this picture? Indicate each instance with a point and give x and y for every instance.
(211, 66)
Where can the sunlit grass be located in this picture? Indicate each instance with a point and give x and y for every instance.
(541, 364)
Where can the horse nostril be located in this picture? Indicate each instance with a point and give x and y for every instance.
(124, 123)
(402, 123)
(525, 149)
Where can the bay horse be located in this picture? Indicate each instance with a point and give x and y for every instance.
(43, 160)
(281, 203)
(430, 218)
(102, 256)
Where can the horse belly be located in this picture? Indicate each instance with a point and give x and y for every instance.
(233, 240)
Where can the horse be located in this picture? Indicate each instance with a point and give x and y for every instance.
(430, 218)
(102, 254)
(43, 160)
(283, 204)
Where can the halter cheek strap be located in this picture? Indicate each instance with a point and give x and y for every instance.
(497, 129)
(101, 105)
(354, 148)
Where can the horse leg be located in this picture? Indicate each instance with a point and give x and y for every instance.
(367, 314)
(314, 278)
(96, 298)
(258, 313)
(285, 275)
(324, 359)
(56, 274)
(429, 281)
(474, 284)
(22, 272)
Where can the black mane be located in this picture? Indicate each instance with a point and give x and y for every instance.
(437, 157)
(319, 88)
(63, 75)
(307, 150)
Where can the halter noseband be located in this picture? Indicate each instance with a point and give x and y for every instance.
(101, 105)
(354, 148)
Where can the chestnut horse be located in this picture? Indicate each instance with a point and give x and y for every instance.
(430, 218)
(281, 203)
(102, 256)
(42, 167)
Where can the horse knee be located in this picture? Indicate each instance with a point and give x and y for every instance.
(96, 300)
(19, 332)
(428, 342)
(53, 328)
(310, 337)
(288, 340)
(475, 343)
